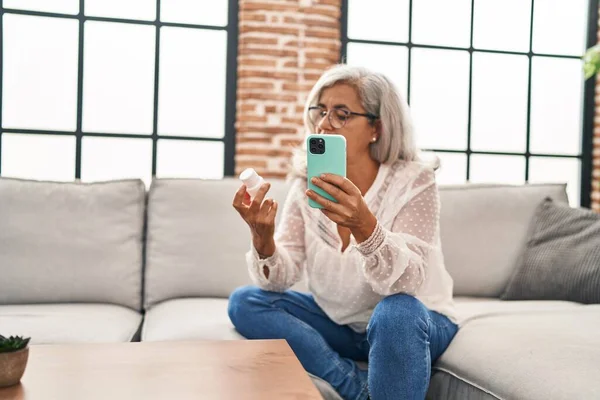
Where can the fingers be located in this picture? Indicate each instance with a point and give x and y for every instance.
(272, 213)
(264, 219)
(326, 203)
(257, 213)
(268, 212)
(333, 216)
(265, 207)
(238, 199)
(258, 199)
(247, 199)
(334, 191)
(343, 183)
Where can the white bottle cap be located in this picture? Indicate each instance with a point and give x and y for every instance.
(250, 177)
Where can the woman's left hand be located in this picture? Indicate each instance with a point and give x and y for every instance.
(350, 211)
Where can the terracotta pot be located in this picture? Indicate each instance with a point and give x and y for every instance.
(12, 366)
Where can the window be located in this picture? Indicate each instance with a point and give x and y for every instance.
(495, 89)
(112, 89)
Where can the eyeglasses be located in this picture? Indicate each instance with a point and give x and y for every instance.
(337, 116)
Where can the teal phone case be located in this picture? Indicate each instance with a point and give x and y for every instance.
(332, 161)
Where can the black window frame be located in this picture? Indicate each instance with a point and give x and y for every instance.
(588, 97)
(230, 84)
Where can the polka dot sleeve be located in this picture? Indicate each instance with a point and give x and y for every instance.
(285, 266)
(395, 261)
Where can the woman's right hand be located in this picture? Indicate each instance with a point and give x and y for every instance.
(260, 215)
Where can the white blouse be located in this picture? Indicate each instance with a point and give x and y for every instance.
(403, 255)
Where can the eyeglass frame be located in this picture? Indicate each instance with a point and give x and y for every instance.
(370, 116)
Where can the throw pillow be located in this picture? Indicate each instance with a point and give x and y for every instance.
(561, 260)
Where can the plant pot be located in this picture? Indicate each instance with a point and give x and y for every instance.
(12, 366)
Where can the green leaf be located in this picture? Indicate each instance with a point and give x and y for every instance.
(591, 61)
(13, 343)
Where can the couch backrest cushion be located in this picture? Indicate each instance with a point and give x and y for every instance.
(71, 242)
(483, 230)
(196, 240)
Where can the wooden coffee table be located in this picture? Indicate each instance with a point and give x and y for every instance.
(257, 369)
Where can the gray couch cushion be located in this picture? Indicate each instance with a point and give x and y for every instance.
(445, 386)
(327, 391)
(70, 323)
(476, 307)
(189, 319)
(483, 230)
(561, 260)
(196, 239)
(529, 355)
(71, 242)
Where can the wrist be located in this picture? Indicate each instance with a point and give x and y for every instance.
(363, 232)
(265, 249)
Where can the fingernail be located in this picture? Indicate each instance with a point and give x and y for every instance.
(323, 175)
(314, 180)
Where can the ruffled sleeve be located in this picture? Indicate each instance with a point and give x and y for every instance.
(395, 260)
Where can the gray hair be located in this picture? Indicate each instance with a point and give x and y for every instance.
(378, 96)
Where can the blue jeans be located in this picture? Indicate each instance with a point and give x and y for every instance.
(402, 341)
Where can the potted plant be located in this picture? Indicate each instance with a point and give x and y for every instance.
(14, 352)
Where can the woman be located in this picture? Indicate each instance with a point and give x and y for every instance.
(379, 290)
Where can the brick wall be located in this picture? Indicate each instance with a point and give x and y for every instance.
(283, 48)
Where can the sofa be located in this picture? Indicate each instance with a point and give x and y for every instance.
(114, 262)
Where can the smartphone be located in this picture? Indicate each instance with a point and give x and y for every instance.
(325, 154)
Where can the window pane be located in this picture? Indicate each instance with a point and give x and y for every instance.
(41, 157)
(442, 22)
(126, 9)
(192, 85)
(385, 20)
(116, 158)
(189, 159)
(559, 26)
(57, 6)
(40, 73)
(497, 169)
(194, 12)
(389, 60)
(453, 168)
(502, 24)
(558, 170)
(556, 95)
(439, 101)
(118, 87)
(499, 114)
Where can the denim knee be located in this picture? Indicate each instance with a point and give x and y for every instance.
(243, 301)
(398, 312)
(238, 302)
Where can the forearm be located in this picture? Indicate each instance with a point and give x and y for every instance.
(264, 247)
